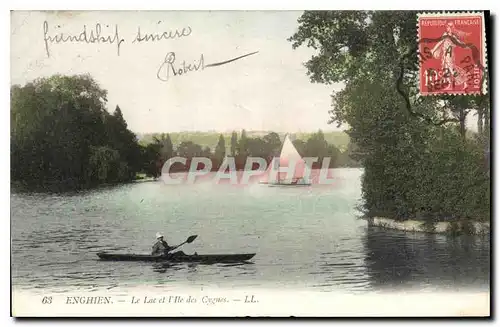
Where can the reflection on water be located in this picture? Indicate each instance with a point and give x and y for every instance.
(405, 260)
(303, 237)
(161, 267)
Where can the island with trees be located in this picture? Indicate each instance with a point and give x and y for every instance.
(420, 161)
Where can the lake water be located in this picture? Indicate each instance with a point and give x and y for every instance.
(303, 237)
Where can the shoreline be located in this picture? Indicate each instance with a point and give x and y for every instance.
(420, 226)
(19, 187)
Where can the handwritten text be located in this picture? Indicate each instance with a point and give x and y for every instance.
(93, 36)
(169, 68)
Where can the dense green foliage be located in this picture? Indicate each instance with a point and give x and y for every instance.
(337, 138)
(419, 160)
(243, 146)
(63, 137)
(335, 145)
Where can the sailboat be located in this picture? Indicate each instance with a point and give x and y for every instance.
(288, 155)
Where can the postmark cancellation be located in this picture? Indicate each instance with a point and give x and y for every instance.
(452, 53)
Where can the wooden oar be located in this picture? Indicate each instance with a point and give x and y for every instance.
(190, 239)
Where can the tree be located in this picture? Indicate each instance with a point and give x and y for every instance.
(188, 149)
(103, 161)
(61, 130)
(55, 121)
(242, 149)
(350, 157)
(152, 160)
(122, 139)
(316, 146)
(206, 152)
(119, 117)
(300, 145)
(368, 45)
(220, 150)
(273, 143)
(234, 143)
(257, 147)
(396, 132)
(167, 148)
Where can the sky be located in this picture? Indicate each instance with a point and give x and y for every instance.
(269, 90)
(266, 91)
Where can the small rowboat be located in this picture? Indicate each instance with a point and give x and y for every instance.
(181, 257)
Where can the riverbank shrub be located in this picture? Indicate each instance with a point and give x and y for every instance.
(445, 182)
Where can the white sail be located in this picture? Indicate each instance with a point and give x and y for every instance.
(290, 157)
(289, 153)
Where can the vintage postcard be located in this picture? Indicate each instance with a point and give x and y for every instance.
(250, 163)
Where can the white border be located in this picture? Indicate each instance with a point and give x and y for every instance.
(420, 5)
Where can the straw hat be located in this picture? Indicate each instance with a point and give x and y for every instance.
(158, 235)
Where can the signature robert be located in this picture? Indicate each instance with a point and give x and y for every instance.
(169, 68)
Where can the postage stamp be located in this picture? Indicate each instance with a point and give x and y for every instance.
(452, 53)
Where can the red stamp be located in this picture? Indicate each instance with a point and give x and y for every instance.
(452, 54)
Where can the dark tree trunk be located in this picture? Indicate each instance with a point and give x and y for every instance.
(480, 122)
(463, 115)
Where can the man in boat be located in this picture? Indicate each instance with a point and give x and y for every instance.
(161, 247)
